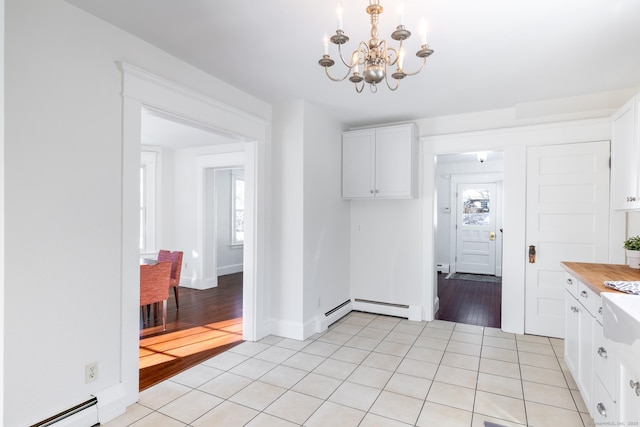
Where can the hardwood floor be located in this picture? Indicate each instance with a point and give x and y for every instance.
(207, 323)
(473, 303)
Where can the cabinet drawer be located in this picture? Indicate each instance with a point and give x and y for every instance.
(571, 284)
(605, 361)
(589, 299)
(603, 410)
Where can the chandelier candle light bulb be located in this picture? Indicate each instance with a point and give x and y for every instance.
(376, 55)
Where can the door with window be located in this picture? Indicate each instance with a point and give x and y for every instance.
(476, 228)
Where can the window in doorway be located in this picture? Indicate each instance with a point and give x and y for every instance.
(237, 207)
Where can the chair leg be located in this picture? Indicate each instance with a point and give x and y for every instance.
(175, 292)
(164, 315)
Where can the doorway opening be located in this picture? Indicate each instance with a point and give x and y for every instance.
(468, 237)
(209, 318)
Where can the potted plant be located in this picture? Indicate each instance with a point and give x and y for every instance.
(632, 246)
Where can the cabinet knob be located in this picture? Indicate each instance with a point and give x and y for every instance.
(602, 352)
(600, 310)
(601, 409)
(569, 281)
(371, 191)
(574, 309)
(584, 294)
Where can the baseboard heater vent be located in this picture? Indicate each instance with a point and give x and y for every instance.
(63, 417)
(411, 312)
(333, 310)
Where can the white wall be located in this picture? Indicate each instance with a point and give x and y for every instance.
(63, 198)
(386, 250)
(310, 230)
(326, 218)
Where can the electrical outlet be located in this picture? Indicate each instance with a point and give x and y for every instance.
(90, 372)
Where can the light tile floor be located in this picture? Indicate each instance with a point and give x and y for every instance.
(369, 370)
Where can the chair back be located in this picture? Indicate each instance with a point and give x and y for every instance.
(154, 282)
(176, 264)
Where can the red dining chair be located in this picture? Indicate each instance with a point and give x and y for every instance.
(154, 287)
(176, 267)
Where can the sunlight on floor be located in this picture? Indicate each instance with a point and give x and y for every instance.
(166, 347)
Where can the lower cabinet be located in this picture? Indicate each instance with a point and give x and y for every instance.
(592, 362)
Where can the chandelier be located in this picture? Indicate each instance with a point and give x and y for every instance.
(375, 56)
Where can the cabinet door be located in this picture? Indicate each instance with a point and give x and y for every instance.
(358, 157)
(571, 334)
(629, 395)
(585, 355)
(394, 162)
(625, 154)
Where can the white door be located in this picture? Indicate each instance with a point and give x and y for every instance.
(567, 220)
(476, 228)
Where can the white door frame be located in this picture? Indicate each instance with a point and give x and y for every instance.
(484, 178)
(141, 88)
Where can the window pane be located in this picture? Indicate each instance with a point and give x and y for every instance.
(475, 209)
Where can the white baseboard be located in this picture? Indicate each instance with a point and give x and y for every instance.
(112, 402)
(230, 269)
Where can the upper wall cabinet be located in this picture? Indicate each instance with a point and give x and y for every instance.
(625, 156)
(379, 163)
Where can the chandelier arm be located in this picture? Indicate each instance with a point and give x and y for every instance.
(386, 80)
(326, 71)
(362, 48)
(424, 62)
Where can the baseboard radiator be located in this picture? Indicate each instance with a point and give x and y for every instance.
(84, 414)
(333, 315)
(411, 312)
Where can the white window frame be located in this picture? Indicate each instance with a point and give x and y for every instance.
(236, 175)
(148, 162)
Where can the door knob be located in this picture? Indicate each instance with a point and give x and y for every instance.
(492, 236)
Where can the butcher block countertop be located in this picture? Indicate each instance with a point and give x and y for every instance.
(594, 275)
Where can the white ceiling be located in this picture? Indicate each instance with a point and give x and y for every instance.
(489, 54)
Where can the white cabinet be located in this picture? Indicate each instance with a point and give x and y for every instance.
(629, 398)
(625, 156)
(605, 384)
(586, 319)
(379, 163)
(571, 324)
(579, 348)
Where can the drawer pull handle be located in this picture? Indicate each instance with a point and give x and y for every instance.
(601, 409)
(636, 386)
(574, 309)
(584, 294)
(569, 281)
(602, 352)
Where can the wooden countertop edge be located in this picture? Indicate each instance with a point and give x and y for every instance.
(594, 275)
